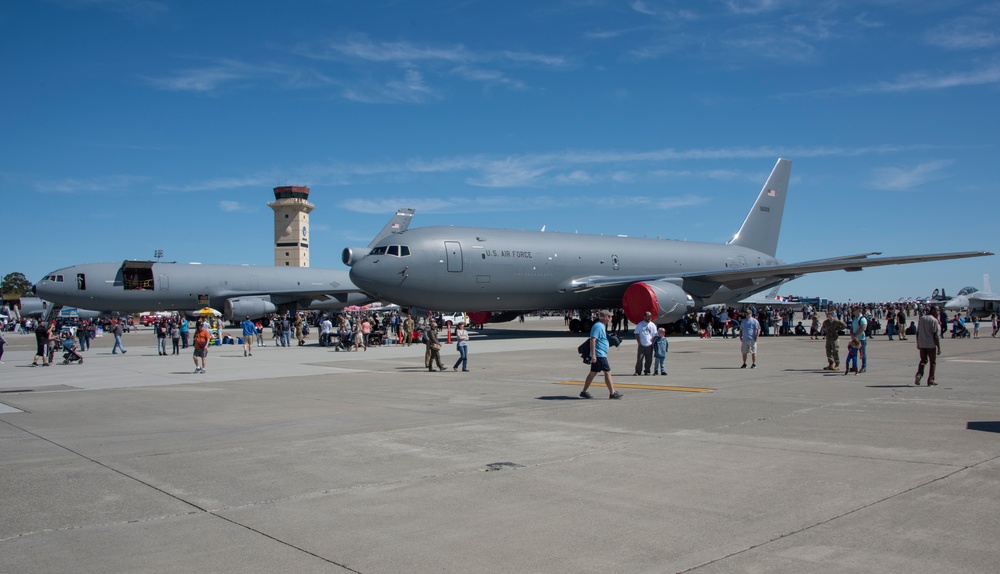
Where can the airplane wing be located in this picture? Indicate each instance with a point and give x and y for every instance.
(737, 278)
(704, 283)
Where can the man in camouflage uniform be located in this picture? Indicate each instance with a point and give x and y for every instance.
(408, 331)
(831, 331)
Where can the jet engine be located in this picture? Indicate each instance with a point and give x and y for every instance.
(351, 255)
(255, 307)
(666, 301)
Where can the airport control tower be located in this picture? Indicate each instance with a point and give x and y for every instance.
(291, 225)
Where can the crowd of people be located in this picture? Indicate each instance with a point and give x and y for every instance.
(859, 322)
(355, 331)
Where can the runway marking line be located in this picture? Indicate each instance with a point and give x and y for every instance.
(648, 387)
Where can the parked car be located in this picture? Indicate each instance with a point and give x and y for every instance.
(453, 318)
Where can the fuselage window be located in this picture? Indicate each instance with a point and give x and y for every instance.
(393, 250)
(81, 281)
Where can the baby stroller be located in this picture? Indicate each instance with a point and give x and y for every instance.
(959, 331)
(70, 354)
(343, 340)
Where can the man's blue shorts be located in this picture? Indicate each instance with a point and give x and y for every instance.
(600, 365)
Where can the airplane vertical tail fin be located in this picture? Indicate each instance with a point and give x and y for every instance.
(763, 224)
(397, 224)
(986, 283)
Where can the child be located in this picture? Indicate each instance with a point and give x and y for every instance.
(853, 350)
(975, 328)
(660, 347)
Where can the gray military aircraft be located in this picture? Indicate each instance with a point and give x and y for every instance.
(979, 304)
(511, 272)
(136, 286)
(42, 309)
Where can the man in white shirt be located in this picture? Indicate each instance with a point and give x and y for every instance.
(645, 332)
(325, 330)
(858, 327)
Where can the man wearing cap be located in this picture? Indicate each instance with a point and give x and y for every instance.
(599, 353)
(433, 352)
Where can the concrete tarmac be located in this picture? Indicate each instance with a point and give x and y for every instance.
(309, 460)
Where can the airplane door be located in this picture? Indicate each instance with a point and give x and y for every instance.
(162, 283)
(453, 250)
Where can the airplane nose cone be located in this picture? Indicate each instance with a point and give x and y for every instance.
(359, 277)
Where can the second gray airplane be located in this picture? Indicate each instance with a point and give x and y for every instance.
(508, 271)
(239, 290)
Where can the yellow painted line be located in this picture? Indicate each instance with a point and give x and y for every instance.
(600, 383)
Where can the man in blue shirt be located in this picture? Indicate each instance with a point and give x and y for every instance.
(249, 333)
(749, 332)
(599, 352)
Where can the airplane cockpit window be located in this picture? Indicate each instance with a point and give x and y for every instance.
(968, 291)
(55, 278)
(394, 250)
(81, 281)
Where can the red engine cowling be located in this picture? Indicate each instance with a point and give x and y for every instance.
(666, 301)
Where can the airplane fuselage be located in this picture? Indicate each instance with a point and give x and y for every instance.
(472, 269)
(136, 286)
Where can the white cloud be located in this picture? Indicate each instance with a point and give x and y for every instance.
(902, 179)
(926, 81)
(974, 32)
(98, 184)
(218, 183)
(235, 207)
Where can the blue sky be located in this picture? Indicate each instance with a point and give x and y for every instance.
(128, 126)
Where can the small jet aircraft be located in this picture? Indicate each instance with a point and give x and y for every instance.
(511, 272)
(771, 299)
(136, 286)
(980, 304)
